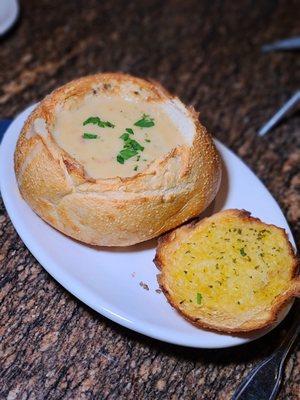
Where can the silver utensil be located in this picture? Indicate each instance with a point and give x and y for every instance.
(263, 382)
(285, 44)
(280, 114)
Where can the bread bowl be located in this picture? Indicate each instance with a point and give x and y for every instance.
(132, 192)
(229, 273)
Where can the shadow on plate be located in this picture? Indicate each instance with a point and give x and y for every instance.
(251, 352)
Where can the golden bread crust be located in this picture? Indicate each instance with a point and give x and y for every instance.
(116, 211)
(260, 317)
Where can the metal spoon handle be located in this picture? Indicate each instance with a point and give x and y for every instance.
(264, 380)
(285, 44)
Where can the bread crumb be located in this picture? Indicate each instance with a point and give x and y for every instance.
(144, 285)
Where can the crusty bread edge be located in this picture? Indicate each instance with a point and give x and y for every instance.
(277, 308)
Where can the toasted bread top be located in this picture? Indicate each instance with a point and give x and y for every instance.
(230, 272)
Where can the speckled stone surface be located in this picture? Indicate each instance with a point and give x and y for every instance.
(208, 53)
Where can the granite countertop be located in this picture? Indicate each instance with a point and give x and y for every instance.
(208, 53)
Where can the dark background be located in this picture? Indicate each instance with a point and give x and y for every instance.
(208, 53)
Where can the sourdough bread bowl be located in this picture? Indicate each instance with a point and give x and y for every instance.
(113, 160)
(229, 273)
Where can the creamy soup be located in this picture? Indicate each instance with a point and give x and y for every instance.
(115, 137)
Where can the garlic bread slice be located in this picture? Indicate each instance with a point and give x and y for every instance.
(229, 272)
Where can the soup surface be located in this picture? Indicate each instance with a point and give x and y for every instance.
(113, 136)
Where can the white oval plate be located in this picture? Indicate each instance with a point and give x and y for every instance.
(108, 280)
(9, 10)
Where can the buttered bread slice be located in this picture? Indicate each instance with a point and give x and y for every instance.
(229, 272)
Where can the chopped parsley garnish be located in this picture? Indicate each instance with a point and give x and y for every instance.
(98, 121)
(120, 159)
(145, 122)
(127, 153)
(242, 251)
(130, 148)
(109, 124)
(125, 136)
(129, 130)
(133, 144)
(147, 140)
(135, 168)
(87, 135)
(199, 298)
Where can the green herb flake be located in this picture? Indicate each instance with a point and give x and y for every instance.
(145, 122)
(127, 153)
(125, 136)
(135, 168)
(120, 159)
(92, 120)
(242, 251)
(199, 298)
(130, 148)
(98, 121)
(135, 145)
(147, 140)
(87, 135)
(130, 131)
(109, 124)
